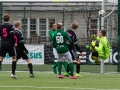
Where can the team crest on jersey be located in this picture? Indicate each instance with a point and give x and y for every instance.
(58, 33)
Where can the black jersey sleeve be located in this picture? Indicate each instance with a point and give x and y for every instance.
(75, 41)
(20, 40)
(12, 31)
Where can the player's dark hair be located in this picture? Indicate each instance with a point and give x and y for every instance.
(59, 25)
(74, 25)
(51, 24)
(6, 17)
(17, 23)
(103, 32)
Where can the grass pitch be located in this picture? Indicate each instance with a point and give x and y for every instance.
(50, 81)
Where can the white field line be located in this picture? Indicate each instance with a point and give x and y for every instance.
(55, 88)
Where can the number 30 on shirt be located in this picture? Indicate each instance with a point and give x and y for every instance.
(59, 39)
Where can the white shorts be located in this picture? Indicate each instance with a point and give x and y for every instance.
(66, 55)
(55, 53)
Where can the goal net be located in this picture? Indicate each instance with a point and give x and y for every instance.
(35, 18)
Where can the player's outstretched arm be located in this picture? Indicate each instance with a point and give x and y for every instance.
(100, 47)
(95, 37)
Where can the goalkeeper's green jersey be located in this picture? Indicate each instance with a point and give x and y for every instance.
(52, 32)
(59, 41)
(104, 48)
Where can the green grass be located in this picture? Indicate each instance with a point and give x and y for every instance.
(50, 81)
(47, 67)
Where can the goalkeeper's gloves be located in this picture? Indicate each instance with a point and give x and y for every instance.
(89, 47)
(93, 43)
(94, 37)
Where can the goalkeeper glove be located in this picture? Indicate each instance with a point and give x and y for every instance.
(93, 43)
(89, 47)
(94, 37)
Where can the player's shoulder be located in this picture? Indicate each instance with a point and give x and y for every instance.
(16, 31)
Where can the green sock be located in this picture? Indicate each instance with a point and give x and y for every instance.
(65, 64)
(59, 67)
(56, 64)
(71, 67)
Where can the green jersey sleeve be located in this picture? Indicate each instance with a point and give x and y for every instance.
(100, 47)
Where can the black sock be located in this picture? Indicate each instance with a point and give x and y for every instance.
(77, 68)
(13, 67)
(0, 63)
(30, 68)
(67, 68)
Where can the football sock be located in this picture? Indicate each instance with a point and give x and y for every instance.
(67, 68)
(71, 67)
(30, 68)
(77, 68)
(56, 64)
(59, 67)
(65, 64)
(0, 63)
(13, 67)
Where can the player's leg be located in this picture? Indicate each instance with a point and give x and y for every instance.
(2, 49)
(1, 59)
(12, 53)
(56, 59)
(78, 67)
(60, 58)
(30, 66)
(26, 57)
(71, 65)
(65, 64)
(95, 57)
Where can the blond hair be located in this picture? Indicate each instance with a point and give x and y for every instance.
(59, 25)
(17, 24)
(74, 25)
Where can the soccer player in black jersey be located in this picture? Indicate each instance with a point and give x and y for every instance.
(74, 46)
(8, 42)
(21, 49)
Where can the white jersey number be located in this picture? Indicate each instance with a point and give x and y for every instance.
(59, 39)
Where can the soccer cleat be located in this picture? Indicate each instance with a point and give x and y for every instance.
(66, 74)
(13, 76)
(73, 77)
(78, 75)
(32, 75)
(54, 70)
(60, 76)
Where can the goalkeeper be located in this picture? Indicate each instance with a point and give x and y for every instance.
(101, 50)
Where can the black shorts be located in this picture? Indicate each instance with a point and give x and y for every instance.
(21, 54)
(74, 55)
(10, 49)
(95, 53)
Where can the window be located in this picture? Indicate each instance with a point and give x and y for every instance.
(33, 26)
(39, 26)
(42, 26)
(93, 26)
(24, 25)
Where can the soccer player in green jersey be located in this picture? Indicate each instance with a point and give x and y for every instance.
(53, 28)
(60, 44)
(102, 50)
